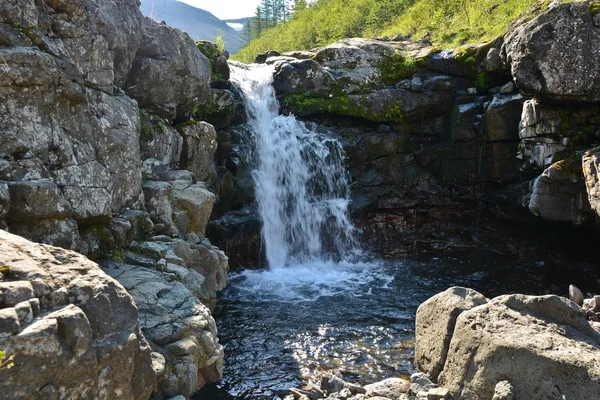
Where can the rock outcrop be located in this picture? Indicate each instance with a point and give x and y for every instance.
(495, 342)
(555, 56)
(102, 112)
(74, 332)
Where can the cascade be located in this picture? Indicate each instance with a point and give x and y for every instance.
(301, 185)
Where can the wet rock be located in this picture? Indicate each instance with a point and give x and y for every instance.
(435, 323)
(502, 118)
(536, 52)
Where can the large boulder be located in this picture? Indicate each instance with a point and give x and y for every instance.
(556, 55)
(169, 75)
(199, 146)
(435, 323)
(73, 331)
(502, 339)
(559, 193)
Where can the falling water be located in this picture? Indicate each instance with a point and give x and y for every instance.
(301, 184)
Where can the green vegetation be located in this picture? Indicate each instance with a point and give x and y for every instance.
(447, 23)
(213, 51)
(397, 67)
(6, 362)
(594, 8)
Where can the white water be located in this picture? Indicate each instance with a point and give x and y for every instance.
(301, 184)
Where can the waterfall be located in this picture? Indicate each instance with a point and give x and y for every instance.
(302, 190)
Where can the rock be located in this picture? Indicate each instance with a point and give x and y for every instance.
(559, 194)
(15, 292)
(507, 88)
(354, 62)
(168, 56)
(435, 323)
(391, 388)
(159, 140)
(420, 383)
(92, 332)
(591, 173)
(198, 203)
(262, 57)
(199, 146)
(576, 295)
(303, 76)
(502, 338)
(536, 52)
(502, 118)
(173, 318)
(332, 384)
(438, 394)
(37, 200)
(591, 305)
(503, 391)
(219, 110)
(219, 68)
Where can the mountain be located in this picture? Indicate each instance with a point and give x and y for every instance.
(198, 23)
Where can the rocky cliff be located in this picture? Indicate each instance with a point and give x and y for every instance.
(104, 151)
(436, 140)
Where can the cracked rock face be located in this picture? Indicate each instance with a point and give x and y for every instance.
(73, 331)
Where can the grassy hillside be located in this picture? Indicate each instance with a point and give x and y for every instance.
(447, 23)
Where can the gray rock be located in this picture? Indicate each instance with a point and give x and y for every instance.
(92, 333)
(503, 391)
(159, 140)
(591, 173)
(168, 56)
(390, 388)
(9, 322)
(303, 76)
(559, 194)
(41, 199)
(420, 383)
(199, 146)
(502, 118)
(537, 54)
(576, 295)
(198, 203)
(503, 337)
(435, 323)
(16, 292)
(438, 394)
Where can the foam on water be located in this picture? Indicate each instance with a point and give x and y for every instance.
(311, 281)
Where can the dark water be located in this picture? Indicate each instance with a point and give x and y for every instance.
(283, 328)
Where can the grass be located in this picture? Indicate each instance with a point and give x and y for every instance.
(446, 23)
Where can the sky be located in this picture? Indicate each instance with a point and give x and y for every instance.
(226, 9)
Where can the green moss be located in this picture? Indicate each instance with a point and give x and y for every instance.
(211, 51)
(397, 67)
(5, 270)
(340, 104)
(146, 128)
(481, 83)
(594, 8)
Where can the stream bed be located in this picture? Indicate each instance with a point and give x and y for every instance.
(284, 327)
